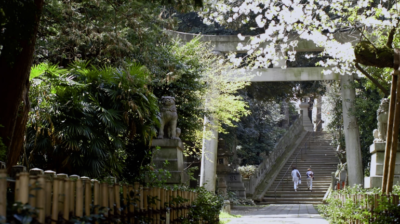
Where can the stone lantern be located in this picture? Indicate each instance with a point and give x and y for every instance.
(229, 179)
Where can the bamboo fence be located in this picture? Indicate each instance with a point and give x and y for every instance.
(59, 198)
(370, 203)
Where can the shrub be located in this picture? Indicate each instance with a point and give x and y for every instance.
(206, 207)
(340, 212)
(247, 171)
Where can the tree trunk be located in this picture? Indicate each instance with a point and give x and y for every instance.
(14, 86)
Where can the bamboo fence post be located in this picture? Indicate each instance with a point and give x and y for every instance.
(49, 177)
(132, 202)
(187, 203)
(33, 188)
(158, 206)
(67, 195)
(104, 197)
(117, 198)
(3, 192)
(16, 191)
(150, 204)
(41, 203)
(162, 203)
(171, 209)
(87, 185)
(145, 201)
(111, 198)
(79, 198)
(61, 189)
(141, 197)
(96, 193)
(137, 191)
(72, 202)
(155, 201)
(23, 187)
(174, 205)
(32, 192)
(125, 201)
(179, 211)
(54, 210)
(110, 189)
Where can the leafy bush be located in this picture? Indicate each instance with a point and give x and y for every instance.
(207, 206)
(247, 171)
(340, 212)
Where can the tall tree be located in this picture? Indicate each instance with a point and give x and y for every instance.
(19, 25)
(19, 22)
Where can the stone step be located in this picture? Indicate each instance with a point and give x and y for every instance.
(282, 194)
(290, 202)
(289, 187)
(293, 199)
(321, 157)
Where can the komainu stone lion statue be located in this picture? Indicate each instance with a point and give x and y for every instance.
(382, 117)
(168, 119)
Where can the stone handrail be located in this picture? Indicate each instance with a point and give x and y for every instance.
(269, 161)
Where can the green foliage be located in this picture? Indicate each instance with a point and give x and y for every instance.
(366, 105)
(206, 207)
(191, 171)
(182, 79)
(16, 25)
(339, 212)
(82, 118)
(256, 133)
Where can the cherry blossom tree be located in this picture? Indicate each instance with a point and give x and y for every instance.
(356, 36)
(350, 32)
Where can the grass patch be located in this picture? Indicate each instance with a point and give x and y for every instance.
(226, 218)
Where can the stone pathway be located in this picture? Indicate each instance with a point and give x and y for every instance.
(281, 213)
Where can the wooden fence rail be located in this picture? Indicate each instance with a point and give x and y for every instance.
(60, 198)
(375, 204)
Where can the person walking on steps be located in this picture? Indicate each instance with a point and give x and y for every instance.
(310, 178)
(296, 177)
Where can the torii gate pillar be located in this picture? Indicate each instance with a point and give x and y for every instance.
(351, 132)
(208, 170)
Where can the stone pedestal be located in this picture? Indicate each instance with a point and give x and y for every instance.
(377, 150)
(308, 126)
(235, 184)
(171, 150)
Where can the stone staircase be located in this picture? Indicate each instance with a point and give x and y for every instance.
(320, 157)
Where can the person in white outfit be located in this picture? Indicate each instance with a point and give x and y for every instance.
(310, 178)
(296, 177)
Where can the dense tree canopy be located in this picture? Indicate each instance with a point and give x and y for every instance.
(100, 68)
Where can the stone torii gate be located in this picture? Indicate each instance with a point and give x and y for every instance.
(229, 43)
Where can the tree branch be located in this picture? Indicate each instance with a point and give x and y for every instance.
(390, 38)
(377, 84)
